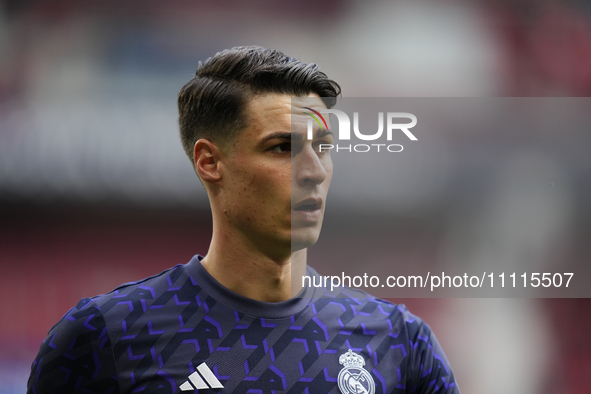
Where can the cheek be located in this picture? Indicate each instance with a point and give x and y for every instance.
(328, 168)
(274, 184)
(274, 194)
(259, 189)
(327, 163)
(264, 189)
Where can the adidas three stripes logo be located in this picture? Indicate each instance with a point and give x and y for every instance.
(202, 378)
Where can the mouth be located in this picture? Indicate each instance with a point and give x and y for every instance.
(308, 205)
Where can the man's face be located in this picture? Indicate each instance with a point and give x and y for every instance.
(275, 180)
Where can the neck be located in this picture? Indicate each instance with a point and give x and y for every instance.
(243, 268)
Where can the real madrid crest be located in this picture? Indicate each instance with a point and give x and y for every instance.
(353, 378)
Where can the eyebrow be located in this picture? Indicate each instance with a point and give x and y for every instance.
(323, 132)
(294, 136)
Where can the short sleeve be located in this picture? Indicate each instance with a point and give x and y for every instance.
(429, 369)
(76, 356)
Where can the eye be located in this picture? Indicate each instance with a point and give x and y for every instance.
(282, 148)
(324, 150)
(324, 142)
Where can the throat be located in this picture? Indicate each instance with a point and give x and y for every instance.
(257, 277)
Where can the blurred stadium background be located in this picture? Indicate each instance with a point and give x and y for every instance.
(95, 189)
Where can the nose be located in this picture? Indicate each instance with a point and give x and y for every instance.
(308, 169)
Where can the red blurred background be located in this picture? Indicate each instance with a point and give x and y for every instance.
(95, 191)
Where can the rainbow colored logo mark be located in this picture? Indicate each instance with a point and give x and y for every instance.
(317, 121)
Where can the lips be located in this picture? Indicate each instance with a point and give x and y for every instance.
(307, 212)
(308, 205)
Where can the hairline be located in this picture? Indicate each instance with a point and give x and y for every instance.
(227, 144)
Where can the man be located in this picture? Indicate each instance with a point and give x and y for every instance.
(234, 320)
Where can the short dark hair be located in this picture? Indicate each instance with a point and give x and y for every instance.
(212, 104)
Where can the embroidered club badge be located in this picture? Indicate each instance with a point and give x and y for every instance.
(353, 378)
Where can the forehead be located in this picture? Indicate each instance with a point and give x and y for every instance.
(280, 112)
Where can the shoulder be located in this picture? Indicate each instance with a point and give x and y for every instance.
(423, 366)
(427, 369)
(148, 289)
(402, 321)
(77, 353)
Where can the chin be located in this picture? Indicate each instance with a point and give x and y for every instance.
(303, 239)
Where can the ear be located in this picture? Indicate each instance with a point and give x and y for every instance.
(206, 156)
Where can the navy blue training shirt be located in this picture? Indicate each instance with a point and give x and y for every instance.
(181, 331)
